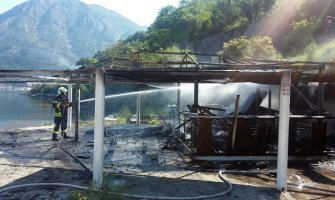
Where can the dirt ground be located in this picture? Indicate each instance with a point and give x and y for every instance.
(139, 162)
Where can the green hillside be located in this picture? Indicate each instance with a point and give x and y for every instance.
(288, 28)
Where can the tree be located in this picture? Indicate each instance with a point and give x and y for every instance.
(318, 53)
(257, 47)
(301, 34)
(86, 62)
(125, 112)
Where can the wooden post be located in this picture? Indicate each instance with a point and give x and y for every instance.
(196, 94)
(178, 103)
(321, 95)
(270, 101)
(237, 103)
(194, 109)
(70, 108)
(77, 113)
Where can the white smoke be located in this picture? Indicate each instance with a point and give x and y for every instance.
(221, 94)
(318, 52)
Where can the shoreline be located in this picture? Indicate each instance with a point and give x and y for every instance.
(14, 88)
(32, 128)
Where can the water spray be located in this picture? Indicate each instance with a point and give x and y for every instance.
(133, 93)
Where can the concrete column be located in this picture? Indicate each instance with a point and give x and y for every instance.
(70, 108)
(98, 156)
(283, 133)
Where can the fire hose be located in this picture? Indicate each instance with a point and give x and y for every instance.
(39, 185)
(220, 173)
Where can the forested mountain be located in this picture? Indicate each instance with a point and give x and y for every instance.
(195, 20)
(258, 29)
(198, 24)
(54, 34)
(288, 28)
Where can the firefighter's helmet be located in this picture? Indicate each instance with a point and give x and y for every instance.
(62, 90)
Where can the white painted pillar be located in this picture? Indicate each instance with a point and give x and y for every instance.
(70, 108)
(98, 156)
(283, 133)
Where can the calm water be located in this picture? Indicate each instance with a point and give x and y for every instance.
(21, 111)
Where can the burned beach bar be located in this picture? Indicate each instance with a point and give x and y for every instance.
(278, 122)
(259, 133)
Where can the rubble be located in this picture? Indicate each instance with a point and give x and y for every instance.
(137, 162)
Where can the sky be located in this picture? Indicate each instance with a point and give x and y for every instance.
(142, 12)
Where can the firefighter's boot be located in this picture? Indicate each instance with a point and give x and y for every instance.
(64, 135)
(55, 137)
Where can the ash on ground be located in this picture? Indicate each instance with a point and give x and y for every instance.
(144, 160)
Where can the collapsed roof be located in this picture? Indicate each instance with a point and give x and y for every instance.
(181, 67)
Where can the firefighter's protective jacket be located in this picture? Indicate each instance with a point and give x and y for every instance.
(60, 104)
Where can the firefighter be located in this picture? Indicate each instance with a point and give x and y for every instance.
(60, 104)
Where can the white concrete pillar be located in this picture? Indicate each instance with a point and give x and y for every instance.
(70, 108)
(98, 156)
(283, 133)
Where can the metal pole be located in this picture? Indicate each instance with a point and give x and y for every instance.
(178, 103)
(138, 108)
(269, 101)
(98, 156)
(195, 110)
(77, 113)
(283, 133)
(196, 94)
(70, 108)
(321, 96)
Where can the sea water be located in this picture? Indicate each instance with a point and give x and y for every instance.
(18, 110)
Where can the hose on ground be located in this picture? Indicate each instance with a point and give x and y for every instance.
(75, 158)
(15, 187)
(130, 195)
(299, 182)
(298, 178)
(124, 195)
(221, 172)
(249, 172)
